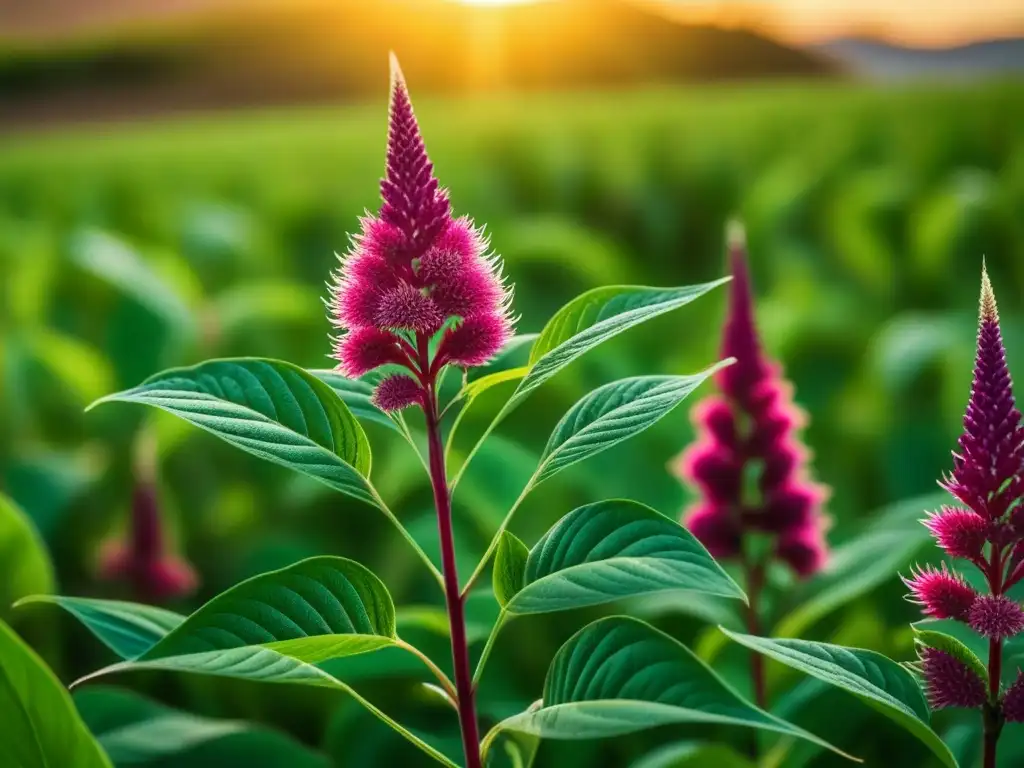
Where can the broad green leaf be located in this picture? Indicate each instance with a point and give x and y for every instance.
(873, 678)
(977, 644)
(299, 611)
(894, 535)
(270, 408)
(477, 387)
(277, 626)
(611, 414)
(128, 629)
(357, 394)
(25, 566)
(949, 644)
(509, 567)
(620, 675)
(611, 550)
(41, 728)
(79, 367)
(693, 754)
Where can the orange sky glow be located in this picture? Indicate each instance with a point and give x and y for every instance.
(910, 22)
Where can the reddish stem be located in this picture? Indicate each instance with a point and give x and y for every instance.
(755, 581)
(456, 606)
(992, 716)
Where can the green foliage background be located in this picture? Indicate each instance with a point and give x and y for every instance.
(127, 250)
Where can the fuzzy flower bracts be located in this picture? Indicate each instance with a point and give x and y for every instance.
(748, 464)
(986, 528)
(417, 290)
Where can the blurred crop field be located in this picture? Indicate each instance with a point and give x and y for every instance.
(125, 250)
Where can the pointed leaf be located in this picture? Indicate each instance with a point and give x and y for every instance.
(25, 566)
(620, 675)
(873, 678)
(41, 727)
(509, 567)
(615, 549)
(611, 414)
(357, 395)
(270, 408)
(596, 316)
(128, 629)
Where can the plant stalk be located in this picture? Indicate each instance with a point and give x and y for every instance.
(992, 716)
(755, 582)
(453, 598)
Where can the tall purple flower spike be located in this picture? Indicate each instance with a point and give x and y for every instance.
(747, 463)
(142, 559)
(415, 272)
(987, 531)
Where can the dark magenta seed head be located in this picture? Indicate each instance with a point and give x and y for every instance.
(942, 594)
(996, 616)
(1013, 702)
(949, 682)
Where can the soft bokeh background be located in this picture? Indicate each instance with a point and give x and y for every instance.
(175, 181)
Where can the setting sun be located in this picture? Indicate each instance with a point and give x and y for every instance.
(495, 2)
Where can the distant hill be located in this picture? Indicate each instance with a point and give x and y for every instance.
(878, 60)
(228, 54)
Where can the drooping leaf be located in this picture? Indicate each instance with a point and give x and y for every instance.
(270, 408)
(41, 728)
(509, 567)
(128, 629)
(25, 566)
(611, 550)
(873, 678)
(611, 414)
(619, 675)
(134, 730)
(357, 394)
(693, 754)
(277, 626)
(893, 537)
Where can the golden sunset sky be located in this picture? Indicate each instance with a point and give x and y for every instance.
(910, 22)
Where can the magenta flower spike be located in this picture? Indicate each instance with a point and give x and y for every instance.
(987, 531)
(418, 291)
(413, 273)
(747, 463)
(142, 559)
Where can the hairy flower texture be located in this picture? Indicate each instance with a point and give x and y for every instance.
(943, 595)
(1013, 703)
(960, 532)
(142, 560)
(416, 272)
(949, 682)
(747, 462)
(988, 469)
(996, 616)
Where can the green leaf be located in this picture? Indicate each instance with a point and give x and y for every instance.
(509, 567)
(134, 730)
(619, 675)
(692, 754)
(25, 566)
(873, 678)
(949, 644)
(611, 414)
(615, 549)
(41, 727)
(893, 537)
(357, 395)
(128, 629)
(277, 626)
(269, 408)
(596, 316)
(586, 321)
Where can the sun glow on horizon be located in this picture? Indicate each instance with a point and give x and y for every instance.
(495, 2)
